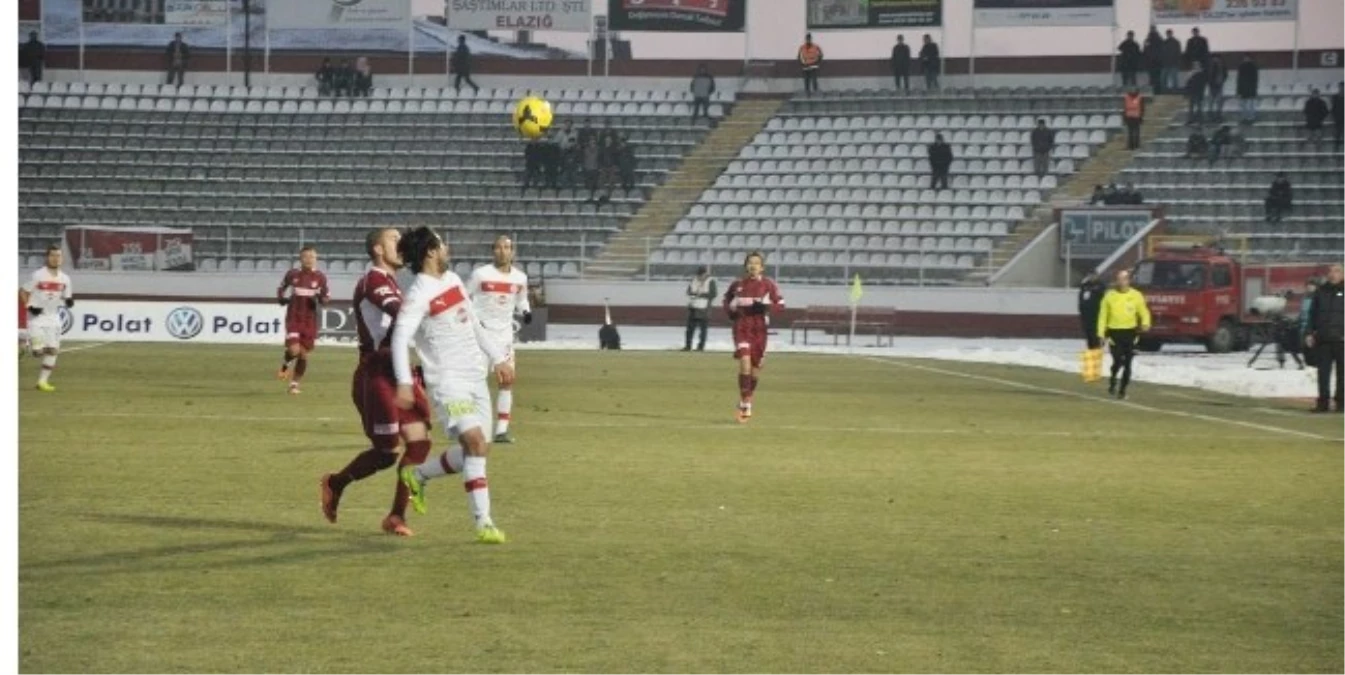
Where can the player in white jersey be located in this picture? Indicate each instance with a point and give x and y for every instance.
(456, 355)
(500, 293)
(45, 295)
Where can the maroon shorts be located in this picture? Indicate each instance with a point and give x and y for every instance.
(302, 333)
(749, 343)
(374, 391)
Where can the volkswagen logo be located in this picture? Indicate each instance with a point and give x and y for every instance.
(67, 319)
(185, 323)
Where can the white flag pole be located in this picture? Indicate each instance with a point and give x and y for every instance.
(228, 40)
(410, 42)
(266, 48)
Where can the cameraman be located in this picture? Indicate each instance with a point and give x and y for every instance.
(700, 293)
(1091, 291)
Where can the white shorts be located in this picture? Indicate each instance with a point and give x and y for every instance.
(505, 342)
(44, 334)
(463, 406)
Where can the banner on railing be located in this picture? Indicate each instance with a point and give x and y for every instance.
(164, 12)
(196, 12)
(129, 249)
(1094, 234)
(1207, 11)
(338, 14)
(993, 13)
(691, 16)
(559, 15)
(874, 13)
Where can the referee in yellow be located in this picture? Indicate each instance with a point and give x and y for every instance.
(1123, 316)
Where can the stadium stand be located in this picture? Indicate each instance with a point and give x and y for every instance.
(1227, 198)
(839, 183)
(255, 172)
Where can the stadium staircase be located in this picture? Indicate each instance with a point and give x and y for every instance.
(1104, 168)
(627, 252)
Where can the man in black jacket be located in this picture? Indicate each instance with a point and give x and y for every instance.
(1249, 81)
(33, 55)
(1338, 112)
(1195, 95)
(1326, 334)
(1128, 59)
(1172, 62)
(1043, 141)
(461, 65)
(1198, 50)
(901, 64)
(1315, 113)
(177, 55)
(1091, 291)
(1280, 200)
(1153, 59)
(1218, 76)
(930, 64)
(940, 160)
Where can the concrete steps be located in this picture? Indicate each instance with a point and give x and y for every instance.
(627, 252)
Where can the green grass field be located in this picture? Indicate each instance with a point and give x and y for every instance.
(874, 516)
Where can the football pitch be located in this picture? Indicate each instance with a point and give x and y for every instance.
(876, 515)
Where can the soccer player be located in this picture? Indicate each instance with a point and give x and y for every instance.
(500, 292)
(43, 296)
(749, 302)
(1124, 315)
(377, 302)
(438, 318)
(308, 289)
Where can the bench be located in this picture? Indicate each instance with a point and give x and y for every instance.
(878, 321)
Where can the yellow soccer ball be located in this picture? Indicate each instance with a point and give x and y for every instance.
(532, 117)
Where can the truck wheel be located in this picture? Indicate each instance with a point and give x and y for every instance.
(1149, 345)
(1222, 340)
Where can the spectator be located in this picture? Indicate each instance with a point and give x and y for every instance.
(901, 64)
(177, 56)
(1195, 95)
(609, 163)
(1305, 311)
(461, 65)
(591, 158)
(1315, 113)
(1218, 76)
(930, 63)
(1091, 290)
(551, 162)
(1129, 196)
(701, 292)
(362, 80)
(1112, 196)
(1197, 146)
(1133, 108)
(810, 60)
(1128, 59)
(940, 160)
(1221, 138)
(1172, 62)
(1326, 326)
(344, 80)
(1153, 59)
(567, 144)
(532, 165)
(326, 77)
(33, 56)
(1198, 50)
(1249, 79)
(626, 165)
(1099, 197)
(1338, 113)
(1280, 200)
(1043, 141)
(702, 87)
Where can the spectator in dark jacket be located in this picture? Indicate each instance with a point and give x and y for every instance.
(940, 161)
(461, 65)
(1129, 195)
(626, 165)
(1326, 334)
(176, 57)
(1153, 59)
(1099, 197)
(1315, 112)
(1338, 112)
(930, 63)
(1197, 145)
(1197, 50)
(1112, 197)
(1128, 59)
(1280, 200)
(1218, 141)
(362, 79)
(1091, 290)
(534, 157)
(1195, 95)
(901, 64)
(1218, 76)
(344, 80)
(1043, 141)
(702, 88)
(1249, 81)
(33, 56)
(326, 77)
(1172, 62)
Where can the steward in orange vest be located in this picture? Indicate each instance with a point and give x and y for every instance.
(810, 58)
(1133, 106)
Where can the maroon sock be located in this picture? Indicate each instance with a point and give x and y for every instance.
(300, 367)
(744, 386)
(752, 384)
(416, 452)
(365, 464)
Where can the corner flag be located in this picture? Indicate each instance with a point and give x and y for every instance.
(856, 291)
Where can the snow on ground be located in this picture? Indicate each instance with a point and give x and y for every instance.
(1186, 366)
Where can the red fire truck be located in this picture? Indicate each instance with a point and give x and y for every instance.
(1199, 294)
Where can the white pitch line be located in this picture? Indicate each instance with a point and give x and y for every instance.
(83, 347)
(888, 430)
(1096, 399)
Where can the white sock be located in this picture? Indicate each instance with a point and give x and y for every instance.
(478, 495)
(504, 403)
(48, 365)
(449, 461)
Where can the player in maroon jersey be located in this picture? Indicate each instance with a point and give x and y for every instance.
(307, 288)
(749, 302)
(374, 388)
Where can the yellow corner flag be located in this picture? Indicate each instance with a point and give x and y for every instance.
(856, 290)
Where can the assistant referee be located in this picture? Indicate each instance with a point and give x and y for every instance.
(1123, 316)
